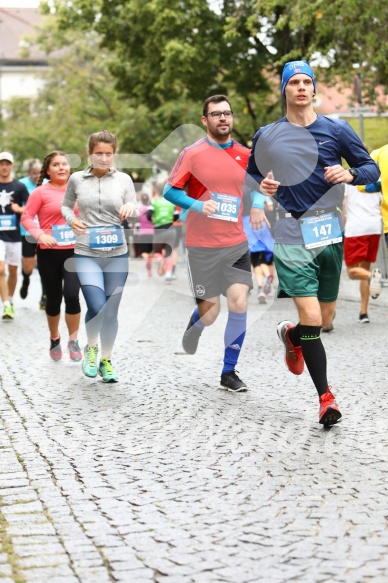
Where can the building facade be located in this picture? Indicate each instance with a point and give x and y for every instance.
(20, 76)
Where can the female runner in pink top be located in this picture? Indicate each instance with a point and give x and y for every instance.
(55, 251)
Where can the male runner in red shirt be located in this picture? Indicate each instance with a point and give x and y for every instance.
(212, 170)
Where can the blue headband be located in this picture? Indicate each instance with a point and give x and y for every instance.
(296, 68)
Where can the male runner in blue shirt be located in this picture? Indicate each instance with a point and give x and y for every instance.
(298, 160)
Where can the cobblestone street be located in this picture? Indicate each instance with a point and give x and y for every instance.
(165, 478)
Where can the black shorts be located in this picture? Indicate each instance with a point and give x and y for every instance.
(144, 243)
(164, 239)
(213, 270)
(260, 257)
(29, 246)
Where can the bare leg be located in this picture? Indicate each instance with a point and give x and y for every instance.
(327, 311)
(28, 264)
(359, 271)
(72, 323)
(362, 272)
(258, 275)
(3, 283)
(208, 310)
(12, 279)
(53, 324)
(364, 292)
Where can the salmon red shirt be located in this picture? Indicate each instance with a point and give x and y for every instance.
(205, 168)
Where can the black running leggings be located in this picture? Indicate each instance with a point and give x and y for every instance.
(59, 281)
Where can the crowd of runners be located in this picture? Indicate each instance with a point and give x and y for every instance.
(246, 218)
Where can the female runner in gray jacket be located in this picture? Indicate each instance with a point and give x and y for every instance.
(105, 198)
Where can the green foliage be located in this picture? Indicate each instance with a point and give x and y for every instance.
(172, 50)
(375, 131)
(345, 36)
(78, 98)
(142, 69)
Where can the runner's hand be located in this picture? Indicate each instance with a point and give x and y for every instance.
(128, 210)
(257, 219)
(209, 207)
(268, 185)
(78, 227)
(16, 208)
(336, 174)
(47, 240)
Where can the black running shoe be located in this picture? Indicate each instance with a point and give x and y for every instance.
(191, 337)
(24, 289)
(231, 382)
(363, 319)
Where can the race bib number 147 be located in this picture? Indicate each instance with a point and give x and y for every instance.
(321, 231)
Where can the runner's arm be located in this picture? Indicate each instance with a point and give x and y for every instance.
(258, 200)
(68, 203)
(178, 197)
(30, 210)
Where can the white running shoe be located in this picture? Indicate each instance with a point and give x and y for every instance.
(375, 284)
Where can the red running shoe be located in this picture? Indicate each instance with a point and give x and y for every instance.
(329, 414)
(293, 354)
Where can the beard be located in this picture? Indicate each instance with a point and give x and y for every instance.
(220, 132)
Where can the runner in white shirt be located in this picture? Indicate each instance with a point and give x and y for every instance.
(363, 229)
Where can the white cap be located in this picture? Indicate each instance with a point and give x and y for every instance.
(6, 156)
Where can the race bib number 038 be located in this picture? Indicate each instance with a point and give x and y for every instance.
(321, 231)
(105, 238)
(63, 235)
(228, 207)
(7, 222)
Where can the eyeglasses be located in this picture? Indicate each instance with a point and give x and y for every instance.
(217, 114)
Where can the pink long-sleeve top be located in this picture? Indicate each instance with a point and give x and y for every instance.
(45, 202)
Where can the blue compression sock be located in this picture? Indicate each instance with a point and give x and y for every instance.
(195, 317)
(234, 337)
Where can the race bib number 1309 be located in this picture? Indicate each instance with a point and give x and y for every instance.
(105, 238)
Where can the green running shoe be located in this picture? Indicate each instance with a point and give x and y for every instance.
(8, 313)
(89, 364)
(107, 372)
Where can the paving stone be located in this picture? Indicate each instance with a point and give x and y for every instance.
(5, 571)
(164, 478)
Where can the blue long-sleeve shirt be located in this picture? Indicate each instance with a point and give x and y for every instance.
(297, 157)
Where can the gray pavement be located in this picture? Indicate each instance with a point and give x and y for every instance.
(165, 478)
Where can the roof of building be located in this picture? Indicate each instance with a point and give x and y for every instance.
(14, 24)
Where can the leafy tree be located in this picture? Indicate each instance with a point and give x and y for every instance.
(172, 50)
(344, 36)
(143, 69)
(78, 98)
(168, 50)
